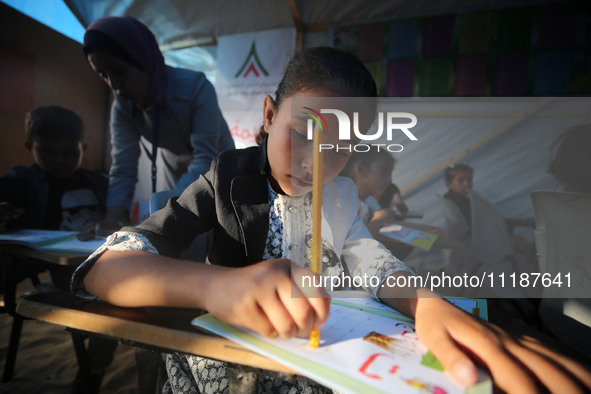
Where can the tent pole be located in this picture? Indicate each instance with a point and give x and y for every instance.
(297, 21)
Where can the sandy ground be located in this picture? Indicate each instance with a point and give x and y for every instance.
(46, 361)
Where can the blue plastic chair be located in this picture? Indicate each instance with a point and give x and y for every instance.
(160, 199)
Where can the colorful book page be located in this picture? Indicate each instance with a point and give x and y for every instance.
(511, 71)
(471, 76)
(474, 33)
(400, 78)
(403, 39)
(553, 72)
(360, 352)
(438, 35)
(363, 301)
(515, 29)
(369, 43)
(417, 238)
(435, 78)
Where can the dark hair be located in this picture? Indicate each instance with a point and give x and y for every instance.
(373, 154)
(571, 160)
(323, 68)
(53, 122)
(450, 171)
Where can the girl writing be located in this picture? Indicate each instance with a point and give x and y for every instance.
(248, 200)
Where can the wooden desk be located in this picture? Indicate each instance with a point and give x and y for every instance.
(15, 255)
(25, 254)
(161, 329)
(59, 258)
(167, 329)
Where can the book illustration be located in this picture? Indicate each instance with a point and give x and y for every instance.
(51, 241)
(360, 352)
(417, 238)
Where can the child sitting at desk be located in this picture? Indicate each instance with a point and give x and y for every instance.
(56, 194)
(371, 172)
(249, 200)
(458, 179)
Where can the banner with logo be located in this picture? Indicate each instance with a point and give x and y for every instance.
(249, 67)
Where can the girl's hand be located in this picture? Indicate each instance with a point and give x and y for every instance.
(519, 365)
(379, 219)
(383, 216)
(264, 298)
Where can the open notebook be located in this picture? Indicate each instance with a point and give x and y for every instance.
(366, 347)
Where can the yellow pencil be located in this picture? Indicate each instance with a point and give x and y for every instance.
(316, 262)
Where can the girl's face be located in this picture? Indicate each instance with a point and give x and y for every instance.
(129, 82)
(290, 152)
(374, 178)
(461, 183)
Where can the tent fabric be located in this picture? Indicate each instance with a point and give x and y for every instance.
(173, 21)
(508, 148)
(506, 140)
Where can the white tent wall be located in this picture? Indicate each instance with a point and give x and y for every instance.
(507, 167)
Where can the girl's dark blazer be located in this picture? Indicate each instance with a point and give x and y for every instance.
(231, 201)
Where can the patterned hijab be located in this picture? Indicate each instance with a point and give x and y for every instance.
(131, 41)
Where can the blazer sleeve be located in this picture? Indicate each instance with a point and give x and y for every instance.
(172, 229)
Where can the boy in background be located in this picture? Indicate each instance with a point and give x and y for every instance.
(56, 194)
(458, 179)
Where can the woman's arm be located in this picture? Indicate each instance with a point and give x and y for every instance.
(125, 153)
(209, 133)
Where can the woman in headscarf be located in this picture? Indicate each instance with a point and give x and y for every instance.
(174, 109)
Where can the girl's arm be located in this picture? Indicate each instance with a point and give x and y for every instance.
(520, 365)
(379, 219)
(259, 296)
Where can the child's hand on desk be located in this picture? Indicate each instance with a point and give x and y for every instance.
(518, 365)
(379, 219)
(384, 216)
(260, 297)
